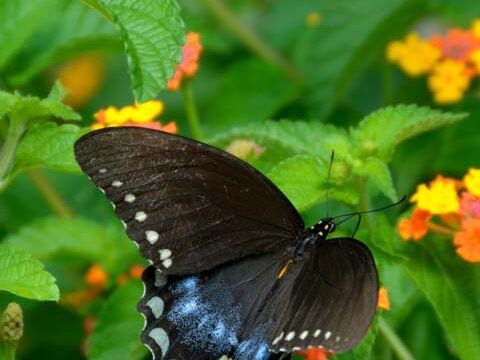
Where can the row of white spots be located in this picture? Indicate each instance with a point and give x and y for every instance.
(303, 335)
(160, 336)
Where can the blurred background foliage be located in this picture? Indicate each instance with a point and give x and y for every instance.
(297, 78)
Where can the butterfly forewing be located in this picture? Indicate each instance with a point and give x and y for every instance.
(333, 300)
(187, 205)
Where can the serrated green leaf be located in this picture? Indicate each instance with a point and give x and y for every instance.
(117, 332)
(49, 145)
(377, 171)
(19, 20)
(379, 133)
(153, 36)
(249, 91)
(302, 179)
(24, 276)
(72, 28)
(285, 138)
(332, 62)
(28, 109)
(451, 286)
(46, 238)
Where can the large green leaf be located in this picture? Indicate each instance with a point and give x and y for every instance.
(24, 276)
(451, 286)
(153, 35)
(249, 91)
(302, 178)
(117, 332)
(45, 238)
(72, 28)
(345, 40)
(19, 20)
(49, 145)
(378, 173)
(285, 138)
(379, 133)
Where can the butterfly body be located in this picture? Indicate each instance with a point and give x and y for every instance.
(234, 272)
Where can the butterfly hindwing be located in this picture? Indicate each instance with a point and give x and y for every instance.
(212, 314)
(189, 206)
(334, 298)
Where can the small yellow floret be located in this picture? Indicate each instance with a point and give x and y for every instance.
(449, 81)
(439, 198)
(472, 181)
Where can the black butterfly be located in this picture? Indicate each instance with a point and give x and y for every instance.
(245, 280)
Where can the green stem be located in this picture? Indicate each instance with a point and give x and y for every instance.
(250, 39)
(14, 133)
(9, 350)
(191, 110)
(49, 193)
(398, 347)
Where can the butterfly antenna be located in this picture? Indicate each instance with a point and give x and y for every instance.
(369, 211)
(327, 205)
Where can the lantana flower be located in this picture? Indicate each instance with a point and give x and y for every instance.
(189, 65)
(141, 115)
(448, 207)
(450, 61)
(81, 77)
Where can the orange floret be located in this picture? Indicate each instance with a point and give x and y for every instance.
(467, 240)
(96, 277)
(314, 354)
(383, 300)
(416, 227)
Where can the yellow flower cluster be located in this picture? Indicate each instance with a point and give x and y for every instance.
(142, 115)
(450, 61)
(450, 208)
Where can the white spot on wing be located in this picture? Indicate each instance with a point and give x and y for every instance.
(117, 183)
(303, 335)
(156, 304)
(290, 336)
(140, 216)
(152, 236)
(161, 338)
(165, 253)
(278, 338)
(167, 262)
(130, 198)
(102, 171)
(317, 333)
(337, 339)
(160, 279)
(327, 335)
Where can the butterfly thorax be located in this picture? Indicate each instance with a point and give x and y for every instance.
(314, 234)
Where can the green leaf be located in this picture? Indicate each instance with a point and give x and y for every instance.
(249, 91)
(19, 21)
(376, 171)
(153, 35)
(46, 238)
(380, 132)
(117, 332)
(24, 276)
(49, 145)
(72, 28)
(29, 109)
(302, 179)
(333, 53)
(451, 286)
(285, 138)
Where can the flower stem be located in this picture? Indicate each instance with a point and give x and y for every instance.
(14, 133)
(398, 347)
(440, 229)
(191, 110)
(49, 193)
(9, 350)
(250, 39)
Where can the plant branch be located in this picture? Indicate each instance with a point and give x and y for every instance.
(15, 131)
(398, 347)
(191, 110)
(49, 193)
(250, 39)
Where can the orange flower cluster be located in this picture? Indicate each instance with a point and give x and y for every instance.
(451, 60)
(82, 78)
(448, 207)
(189, 65)
(141, 115)
(135, 272)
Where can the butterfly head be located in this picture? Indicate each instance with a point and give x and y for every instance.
(324, 227)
